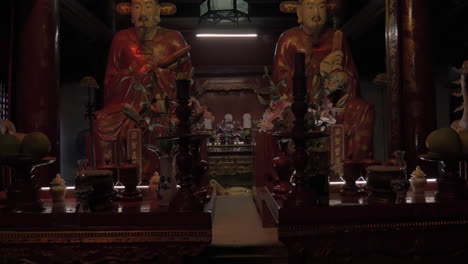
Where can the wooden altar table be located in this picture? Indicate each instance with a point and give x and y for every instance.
(231, 164)
(426, 232)
(140, 232)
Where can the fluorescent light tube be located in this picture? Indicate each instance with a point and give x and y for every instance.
(214, 35)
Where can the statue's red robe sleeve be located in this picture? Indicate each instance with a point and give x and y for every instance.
(177, 43)
(283, 63)
(114, 71)
(350, 69)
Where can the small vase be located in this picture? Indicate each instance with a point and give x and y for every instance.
(58, 189)
(154, 185)
(418, 181)
(167, 184)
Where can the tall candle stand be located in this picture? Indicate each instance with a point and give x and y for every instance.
(450, 185)
(185, 200)
(299, 196)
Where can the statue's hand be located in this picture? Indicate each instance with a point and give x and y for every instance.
(331, 63)
(335, 80)
(138, 73)
(177, 58)
(173, 66)
(146, 69)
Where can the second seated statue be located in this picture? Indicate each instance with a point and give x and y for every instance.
(148, 53)
(332, 82)
(330, 72)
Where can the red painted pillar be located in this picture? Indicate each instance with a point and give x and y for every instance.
(37, 74)
(418, 93)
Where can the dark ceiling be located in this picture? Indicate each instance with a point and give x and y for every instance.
(87, 27)
(264, 14)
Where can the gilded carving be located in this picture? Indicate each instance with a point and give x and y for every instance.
(106, 237)
(99, 253)
(320, 229)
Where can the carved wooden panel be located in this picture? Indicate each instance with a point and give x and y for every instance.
(411, 233)
(99, 253)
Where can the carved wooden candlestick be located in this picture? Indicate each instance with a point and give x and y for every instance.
(184, 200)
(299, 197)
(24, 194)
(129, 178)
(450, 185)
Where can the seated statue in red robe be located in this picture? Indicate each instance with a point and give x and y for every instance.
(330, 71)
(143, 62)
(331, 74)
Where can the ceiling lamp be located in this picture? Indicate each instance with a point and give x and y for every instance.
(222, 11)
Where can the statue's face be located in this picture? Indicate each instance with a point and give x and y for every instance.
(312, 14)
(145, 13)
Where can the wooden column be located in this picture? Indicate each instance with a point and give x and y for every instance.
(36, 70)
(7, 28)
(392, 37)
(418, 94)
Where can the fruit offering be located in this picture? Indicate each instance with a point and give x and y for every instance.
(444, 140)
(447, 140)
(35, 144)
(9, 144)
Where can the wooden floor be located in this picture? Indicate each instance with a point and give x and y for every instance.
(237, 223)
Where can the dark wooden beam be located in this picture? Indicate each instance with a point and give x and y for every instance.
(258, 24)
(365, 19)
(458, 9)
(80, 18)
(176, 2)
(276, 2)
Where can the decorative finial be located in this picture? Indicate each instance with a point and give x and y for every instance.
(57, 180)
(418, 184)
(418, 172)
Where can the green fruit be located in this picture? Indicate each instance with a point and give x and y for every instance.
(464, 140)
(36, 144)
(443, 140)
(19, 136)
(9, 144)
